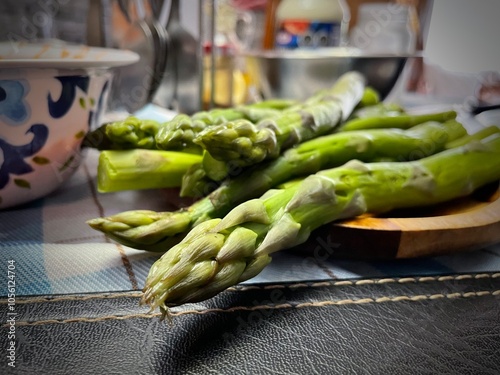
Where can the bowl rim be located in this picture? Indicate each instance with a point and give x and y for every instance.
(62, 55)
(324, 53)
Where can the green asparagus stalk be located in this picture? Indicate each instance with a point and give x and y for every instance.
(130, 133)
(378, 110)
(196, 183)
(220, 253)
(370, 97)
(404, 121)
(179, 132)
(379, 116)
(258, 111)
(243, 142)
(133, 133)
(149, 230)
(142, 169)
(205, 177)
(182, 129)
(483, 133)
(275, 103)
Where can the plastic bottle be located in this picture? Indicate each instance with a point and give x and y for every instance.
(309, 24)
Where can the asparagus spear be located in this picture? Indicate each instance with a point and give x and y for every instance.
(243, 142)
(374, 117)
(133, 132)
(142, 169)
(149, 230)
(128, 134)
(182, 129)
(404, 121)
(378, 110)
(179, 132)
(370, 97)
(483, 133)
(222, 252)
(206, 177)
(195, 182)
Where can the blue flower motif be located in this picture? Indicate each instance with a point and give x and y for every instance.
(58, 108)
(13, 108)
(14, 155)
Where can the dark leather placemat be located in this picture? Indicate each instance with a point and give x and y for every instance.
(420, 325)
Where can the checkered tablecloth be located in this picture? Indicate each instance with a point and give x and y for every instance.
(56, 252)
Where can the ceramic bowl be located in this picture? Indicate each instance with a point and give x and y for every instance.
(46, 108)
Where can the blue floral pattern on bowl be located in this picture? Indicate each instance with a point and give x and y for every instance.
(43, 120)
(58, 108)
(14, 156)
(13, 107)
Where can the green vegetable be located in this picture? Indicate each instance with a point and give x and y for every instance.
(245, 143)
(150, 230)
(370, 97)
(176, 134)
(483, 133)
(379, 110)
(404, 121)
(133, 133)
(142, 169)
(182, 129)
(220, 253)
(196, 183)
(250, 145)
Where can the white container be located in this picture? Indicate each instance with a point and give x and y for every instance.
(384, 28)
(309, 24)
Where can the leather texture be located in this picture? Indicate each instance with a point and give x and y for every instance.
(423, 325)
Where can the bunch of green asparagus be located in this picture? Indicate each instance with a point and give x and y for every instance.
(150, 230)
(222, 252)
(269, 173)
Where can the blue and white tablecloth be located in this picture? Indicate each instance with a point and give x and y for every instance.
(56, 252)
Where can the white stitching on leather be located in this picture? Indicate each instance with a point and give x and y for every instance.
(319, 284)
(377, 281)
(21, 300)
(416, 298)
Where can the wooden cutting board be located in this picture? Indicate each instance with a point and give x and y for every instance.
(461, 225)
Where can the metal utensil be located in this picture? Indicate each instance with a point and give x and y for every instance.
(179, 88)
(161, 44)
(137, 83)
